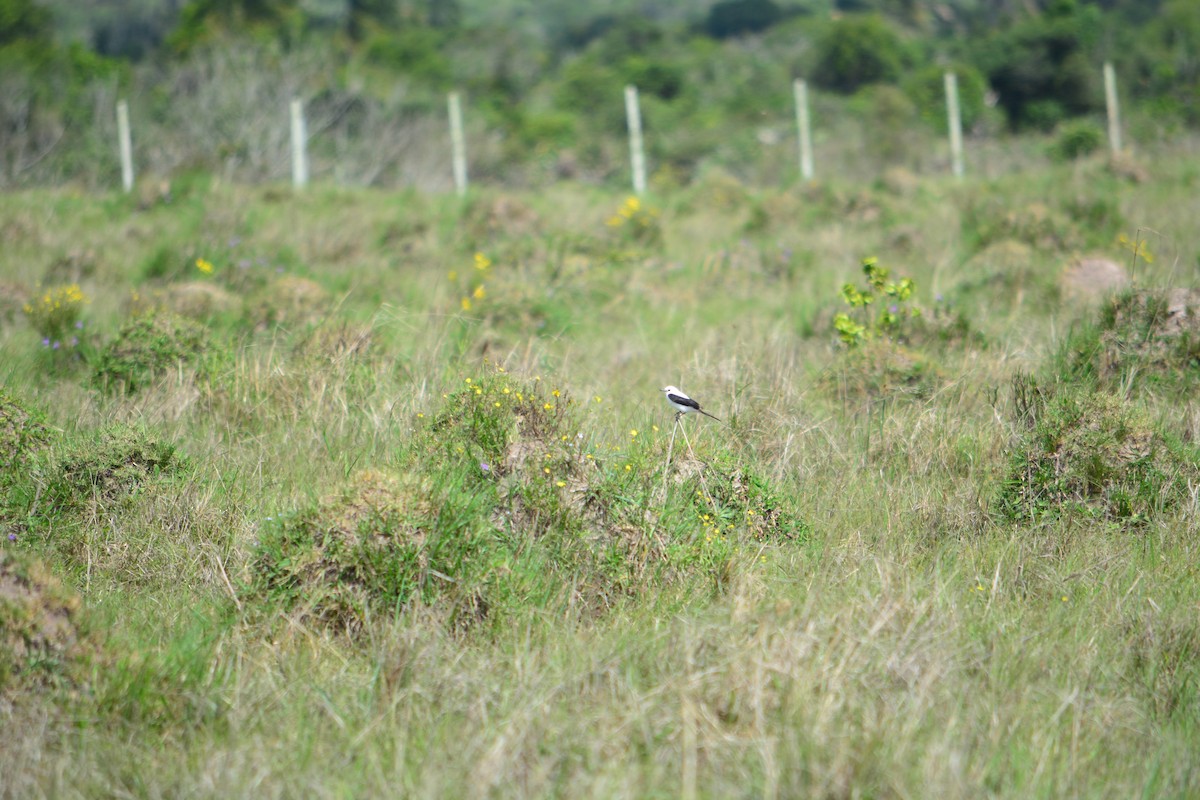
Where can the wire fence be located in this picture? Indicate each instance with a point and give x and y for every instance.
(254, 131)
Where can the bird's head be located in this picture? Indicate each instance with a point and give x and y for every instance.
(671, 390)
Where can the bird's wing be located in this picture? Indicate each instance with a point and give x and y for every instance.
(680, 400)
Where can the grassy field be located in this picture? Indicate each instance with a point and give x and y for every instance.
(357, 494)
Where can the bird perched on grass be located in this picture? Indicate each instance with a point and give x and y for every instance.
(684, 404)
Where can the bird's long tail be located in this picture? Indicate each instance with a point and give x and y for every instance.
(710, 416)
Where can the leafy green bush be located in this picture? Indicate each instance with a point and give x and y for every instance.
(1076, 139)
(736, 17)
(857, 51)
(1042, 68)
(927, 89)
(1093, 453)
(861, 325)
(147, 346)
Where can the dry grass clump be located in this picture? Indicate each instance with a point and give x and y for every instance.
(41, 641)
(338, 342)
(1036, 224)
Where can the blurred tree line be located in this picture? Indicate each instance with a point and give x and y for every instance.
(545, 76)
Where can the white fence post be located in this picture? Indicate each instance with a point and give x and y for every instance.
(458, 143)
(125, 143)
(804, 131)
(1114, 112)
(299, 143)
(636, 153)
(955, 122)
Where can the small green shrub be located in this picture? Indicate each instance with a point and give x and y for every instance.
(893, 298)
(56, 312)
(1076, 139)
(148, 346)
(1092, 453)
(857, 51)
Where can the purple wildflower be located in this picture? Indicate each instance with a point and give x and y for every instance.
(12, 537)
(57, 345)
(484, 466)
(893, 308)
(79, 324)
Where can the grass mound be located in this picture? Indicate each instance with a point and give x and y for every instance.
(110, 465)
(22, 431)
(882, 368)
(504, 504)
(290, 300)
(1005, 274)
(1094, 453)
(198, 300)
(1143, 338)
(149, 346)
(41, 641)
(380, 543)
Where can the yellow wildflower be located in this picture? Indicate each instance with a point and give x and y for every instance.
(204, 266)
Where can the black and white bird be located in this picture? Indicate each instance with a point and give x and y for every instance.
(683, 404)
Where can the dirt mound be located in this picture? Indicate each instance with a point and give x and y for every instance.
(1154, 332)
(192, 299)
(292, 300)
(41, 643)
(1091, 278)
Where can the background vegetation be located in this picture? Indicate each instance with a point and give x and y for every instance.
(368, 490)
(209, 82)
(358, 491)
